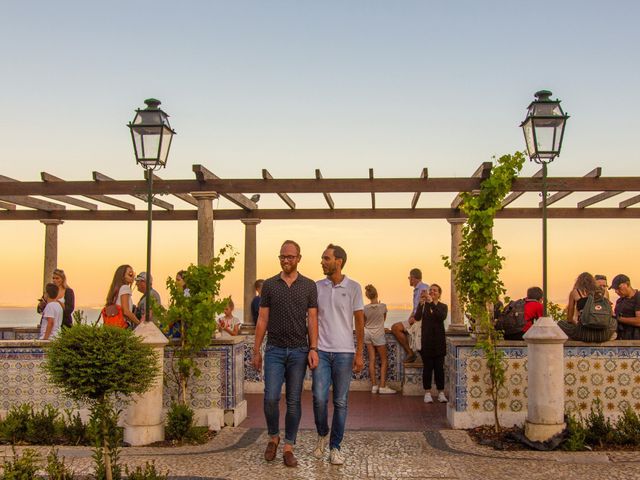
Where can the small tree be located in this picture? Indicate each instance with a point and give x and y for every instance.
(97, 365)
(194, 314)
(477, 273)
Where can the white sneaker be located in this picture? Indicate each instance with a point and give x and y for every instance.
(336, 458)
(427, 398)
(442, 398)
(375, 389)
(321, 445)
(386, 390)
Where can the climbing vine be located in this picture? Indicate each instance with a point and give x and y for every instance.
(477, 273)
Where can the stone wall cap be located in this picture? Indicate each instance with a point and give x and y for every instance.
(545, 330)
(228, 340)
(150, 334)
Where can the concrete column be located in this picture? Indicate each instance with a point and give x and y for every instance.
(249, 266)
(205, 225)
(50, 249)
(545, 389)
(457, 326)
(143, 418)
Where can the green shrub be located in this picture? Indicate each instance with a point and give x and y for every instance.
(597, 426)
(56, 468)
(74, 431)
(575, 442)
(14, 427)
(22, 467)
(44, 426)
(179, 422)
(627, 428)
(149, 472)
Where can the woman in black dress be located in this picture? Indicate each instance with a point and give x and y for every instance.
(432, 313)
(65, 295)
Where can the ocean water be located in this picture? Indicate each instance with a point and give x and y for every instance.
(28, 317)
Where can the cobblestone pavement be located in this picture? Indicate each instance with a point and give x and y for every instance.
(236, 453)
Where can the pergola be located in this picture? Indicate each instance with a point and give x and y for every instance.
(200, 192)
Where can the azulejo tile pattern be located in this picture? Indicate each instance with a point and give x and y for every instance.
(608, 372)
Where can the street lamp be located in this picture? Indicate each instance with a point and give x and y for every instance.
(151, 135)
(543, 131)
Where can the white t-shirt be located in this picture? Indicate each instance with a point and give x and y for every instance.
(125, 290)
(229, 323)
(336, 306)
(52, 310)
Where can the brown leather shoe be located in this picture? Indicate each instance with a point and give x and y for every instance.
(289, 459)
(270, 452)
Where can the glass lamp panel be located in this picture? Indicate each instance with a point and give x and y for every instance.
(548, 132)
(148, 117)
(167, 136)
(527, 128)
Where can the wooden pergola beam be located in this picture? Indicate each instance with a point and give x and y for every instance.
(597, 198)
(114, 202)
(25, 200)
(630, 201)
(65, 198)
(185, 197)
(285, 198)
(7, 205)
(312, 185)
(327, 195)
(595, 173)
(373, 195)
(515, 195)
(416, 195)
(202, 175)
(482, 172)
(320, 214)
(101, 177)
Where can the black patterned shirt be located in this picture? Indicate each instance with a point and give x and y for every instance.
(288, 308)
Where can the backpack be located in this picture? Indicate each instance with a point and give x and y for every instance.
(596, 313)
(112, 316)
(511, 319)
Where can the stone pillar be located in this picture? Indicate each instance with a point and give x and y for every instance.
(249, 266)
(457, 326)
(205, 225)
(50, 249)
(545, 389)
(143, 418)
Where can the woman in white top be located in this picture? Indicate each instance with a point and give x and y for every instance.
(375, 314)
(120, 293)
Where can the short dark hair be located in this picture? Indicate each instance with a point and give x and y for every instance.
(339, 253)
(438, 287)
(535, 293)
(258, 283)
(416, 273)
(52, 290)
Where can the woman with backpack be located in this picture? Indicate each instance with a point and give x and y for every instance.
(585, 298)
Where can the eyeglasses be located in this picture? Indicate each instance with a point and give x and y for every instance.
(291, 258)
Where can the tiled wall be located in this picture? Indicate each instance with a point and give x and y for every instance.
(607, 371)
(220, 385)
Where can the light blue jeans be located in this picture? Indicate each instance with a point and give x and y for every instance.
(333, 369)
(284, 365)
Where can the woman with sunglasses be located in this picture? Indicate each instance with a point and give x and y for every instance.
(66, 296)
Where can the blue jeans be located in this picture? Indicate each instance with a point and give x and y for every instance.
(334, 369)
(287, 365)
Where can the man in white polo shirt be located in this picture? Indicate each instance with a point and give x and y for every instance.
(339, 302)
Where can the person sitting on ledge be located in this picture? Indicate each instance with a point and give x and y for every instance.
(400, 329)
(627, 308)
(585, 287)
(532, 311)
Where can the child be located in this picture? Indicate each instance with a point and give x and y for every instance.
(52, 314)
(228, 325)
(375, 313)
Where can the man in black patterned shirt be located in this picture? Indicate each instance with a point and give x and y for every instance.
(289, 316)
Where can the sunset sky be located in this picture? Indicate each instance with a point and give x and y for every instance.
(292, 86)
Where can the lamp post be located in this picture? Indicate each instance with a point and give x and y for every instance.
(151, 135)
(543, 132)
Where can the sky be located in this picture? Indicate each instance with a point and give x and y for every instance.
(292, 86)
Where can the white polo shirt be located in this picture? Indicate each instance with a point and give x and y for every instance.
(336, 305)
